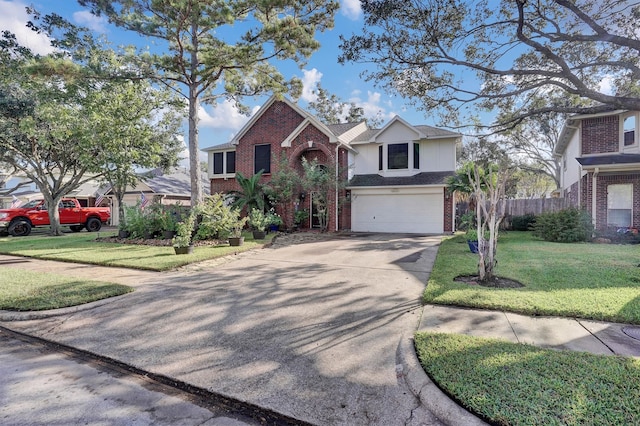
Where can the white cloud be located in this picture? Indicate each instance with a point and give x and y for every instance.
(224, 116)
(351, 9)
(14, 18)
(606, 85)
(91, 21)
(309, 80)
(373, 106)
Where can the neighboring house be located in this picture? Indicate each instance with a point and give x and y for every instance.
(396, 174)
(601, 166)
(170, 188)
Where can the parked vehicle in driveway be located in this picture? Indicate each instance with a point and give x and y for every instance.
(19, 221)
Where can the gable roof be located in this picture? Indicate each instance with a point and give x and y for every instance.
(424, 178)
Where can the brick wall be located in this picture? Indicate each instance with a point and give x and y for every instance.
(600, 135)
(601, 203)
(273, 127)
(448, 211)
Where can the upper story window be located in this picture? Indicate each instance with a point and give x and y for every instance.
(262, 158)
(629, 130)
(398, 156)
(224, 163)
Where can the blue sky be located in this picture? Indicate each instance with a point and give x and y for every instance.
(219, 124)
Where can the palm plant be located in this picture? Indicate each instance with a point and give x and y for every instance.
(251, 193)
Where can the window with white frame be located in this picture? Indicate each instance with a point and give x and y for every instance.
(224, 163)
(619, 205)
(629, 131)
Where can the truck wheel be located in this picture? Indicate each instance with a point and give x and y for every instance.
(93, 224)
(76, 228)
(20, 228)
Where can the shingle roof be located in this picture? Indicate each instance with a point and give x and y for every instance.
(220, 147)
(366, 135)
(177, 183)
(434, 132)
(603, 160)
(425, 178)
(341, 128)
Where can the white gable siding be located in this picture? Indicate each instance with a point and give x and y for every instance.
(438, 155)
(572, 172)
(366, 161)
(396, 132)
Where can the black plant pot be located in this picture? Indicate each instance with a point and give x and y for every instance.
(259, 235)
(183, 250)
(236, 241)
(169, 234)
(123, 234)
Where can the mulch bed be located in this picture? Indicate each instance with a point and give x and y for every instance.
(155, 241)
(495, 282)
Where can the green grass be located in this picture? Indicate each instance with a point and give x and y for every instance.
(82, 248)
(517, 384)
(594, 281)
(22, 290)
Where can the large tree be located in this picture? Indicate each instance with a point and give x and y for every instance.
(62, 125)
(431, 50)
(137, 128)
(221, 49)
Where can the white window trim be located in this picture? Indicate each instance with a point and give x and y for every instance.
(224, 174)
(630, 187)
(385, 157)
(623, 117)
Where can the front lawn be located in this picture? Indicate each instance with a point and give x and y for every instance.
(594, 281)
(517, 384)
(22, 290)
(82, 248)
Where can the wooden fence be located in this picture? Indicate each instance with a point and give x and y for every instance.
(536, 206)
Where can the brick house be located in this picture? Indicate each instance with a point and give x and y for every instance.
(395, 174)
(601, 167)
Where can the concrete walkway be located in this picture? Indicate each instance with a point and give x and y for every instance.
(320, 330)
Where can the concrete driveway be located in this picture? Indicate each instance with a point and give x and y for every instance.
(309, 330)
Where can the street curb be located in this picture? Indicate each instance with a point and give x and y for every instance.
(35, 315)
(430, 395)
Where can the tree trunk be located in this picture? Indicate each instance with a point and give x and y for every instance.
(54, 214)
(194, 103)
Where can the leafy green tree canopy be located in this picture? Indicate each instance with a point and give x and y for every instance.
(208, 60)
(429, 50)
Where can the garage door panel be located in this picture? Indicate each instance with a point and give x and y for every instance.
(413, 213)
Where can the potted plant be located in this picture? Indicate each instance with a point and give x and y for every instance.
(258, 221)
(300, 217)
(274, 220)
(472, 239)
(183, 240)
(235, 229)
(168, 223)
(123, 230)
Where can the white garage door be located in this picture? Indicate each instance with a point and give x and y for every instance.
(412, 213)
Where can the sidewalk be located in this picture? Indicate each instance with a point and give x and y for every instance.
(597, 337)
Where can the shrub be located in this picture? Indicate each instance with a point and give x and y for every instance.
(216, 218)
(523, 223)
(467, 221)
(565, 226)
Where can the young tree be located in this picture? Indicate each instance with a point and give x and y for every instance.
(489, 190)
(281, 188)
(209, 63)
(428, 50)
(323, 181)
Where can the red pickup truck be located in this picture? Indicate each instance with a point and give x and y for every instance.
(19, 221)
